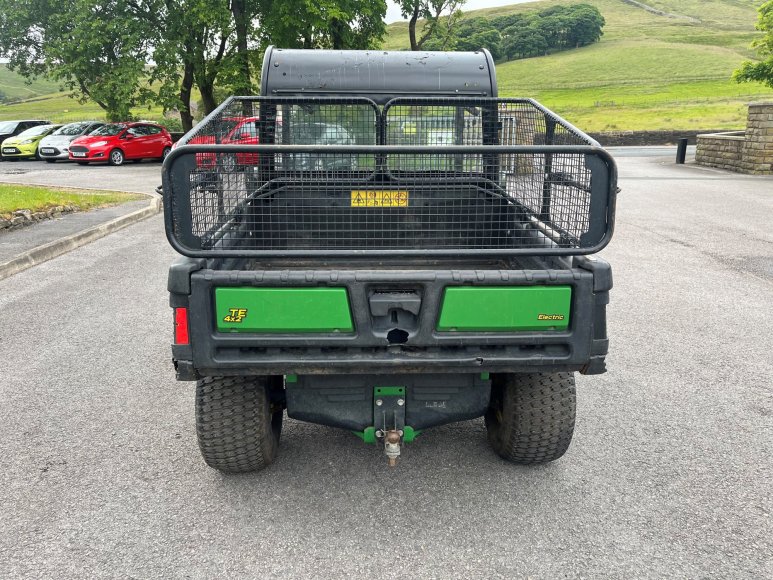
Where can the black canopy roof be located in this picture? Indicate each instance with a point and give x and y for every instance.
(377, 74)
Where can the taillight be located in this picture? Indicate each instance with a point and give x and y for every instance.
(181, 326)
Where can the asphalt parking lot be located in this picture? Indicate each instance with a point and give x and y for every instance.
(669, 474)
(133, 177)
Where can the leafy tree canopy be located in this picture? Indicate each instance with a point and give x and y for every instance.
(125, 53)
(437, 31)
(533, 33)
(761, 71)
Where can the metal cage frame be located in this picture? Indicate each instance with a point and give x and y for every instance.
(582, 153)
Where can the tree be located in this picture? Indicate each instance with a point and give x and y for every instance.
(524, 43)
(189, 39)
(489, 39)
(126, 53)
(761, 71)
(93, 48)
(431, 11)
(337, 24)
(586, 23)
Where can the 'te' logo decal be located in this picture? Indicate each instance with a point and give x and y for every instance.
(235, 315)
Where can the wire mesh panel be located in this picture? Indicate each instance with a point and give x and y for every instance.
(218, 182)
(332, 176)
(554, 187)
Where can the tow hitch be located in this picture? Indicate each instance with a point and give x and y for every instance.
(389, 416)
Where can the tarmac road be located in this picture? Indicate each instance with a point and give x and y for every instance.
(669, 474)
(141, 177)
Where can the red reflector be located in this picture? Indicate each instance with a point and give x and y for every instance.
(181, 326)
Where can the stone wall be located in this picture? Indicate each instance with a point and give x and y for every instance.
(723, 150)
(644, 138)
(750, 151)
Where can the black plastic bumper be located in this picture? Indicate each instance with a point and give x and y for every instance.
(582, 347)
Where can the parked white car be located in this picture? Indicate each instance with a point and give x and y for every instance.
(57, 144)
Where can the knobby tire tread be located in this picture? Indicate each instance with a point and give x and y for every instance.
(237, 431)
(532, 416)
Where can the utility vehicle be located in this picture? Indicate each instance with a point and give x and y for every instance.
(433, 265)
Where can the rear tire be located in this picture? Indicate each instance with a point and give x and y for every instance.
(237, 427)
(531, 416)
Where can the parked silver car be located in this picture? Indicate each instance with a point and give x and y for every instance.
(57, 144)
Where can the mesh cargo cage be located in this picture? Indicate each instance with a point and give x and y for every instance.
(302, 176)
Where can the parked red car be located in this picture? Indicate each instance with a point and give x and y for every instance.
(117, 142)
(235, 131)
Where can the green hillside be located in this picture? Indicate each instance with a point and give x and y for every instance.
(56, 107)
(43, 99)
(650, 70)
(14, 87)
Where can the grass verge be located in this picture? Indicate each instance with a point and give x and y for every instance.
(15, 197)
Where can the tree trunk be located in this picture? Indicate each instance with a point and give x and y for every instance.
(207, 90)
(238, 9)
(337, 29)
(412, 27)
(186, 87)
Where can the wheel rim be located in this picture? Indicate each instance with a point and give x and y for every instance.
(116, 157)
(165, 152)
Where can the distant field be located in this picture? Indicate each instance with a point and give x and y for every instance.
(44, 100)
(14, 87)
(648, 72)
(60, 108)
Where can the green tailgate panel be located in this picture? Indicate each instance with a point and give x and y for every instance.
(505, 309)
(294, 310)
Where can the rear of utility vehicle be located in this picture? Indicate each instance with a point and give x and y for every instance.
(403, 250)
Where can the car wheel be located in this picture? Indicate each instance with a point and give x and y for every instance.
(37, 155)
(237, 424)
(530, 419)
(165, 152)
(116, 157)
(228, 163)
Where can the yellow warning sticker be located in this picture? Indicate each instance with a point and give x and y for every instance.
(379, 198)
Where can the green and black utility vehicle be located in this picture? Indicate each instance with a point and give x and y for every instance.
(390, 247)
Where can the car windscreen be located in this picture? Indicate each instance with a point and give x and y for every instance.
(36, 131)
(109, 130)
(320, 134)
(71, 130)
(8, 126)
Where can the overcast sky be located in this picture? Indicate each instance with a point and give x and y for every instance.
(393, 12)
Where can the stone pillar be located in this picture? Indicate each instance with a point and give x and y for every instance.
(757, 155)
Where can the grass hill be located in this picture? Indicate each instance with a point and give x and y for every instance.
(43, 99)
(14, 87)
(665, 64)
